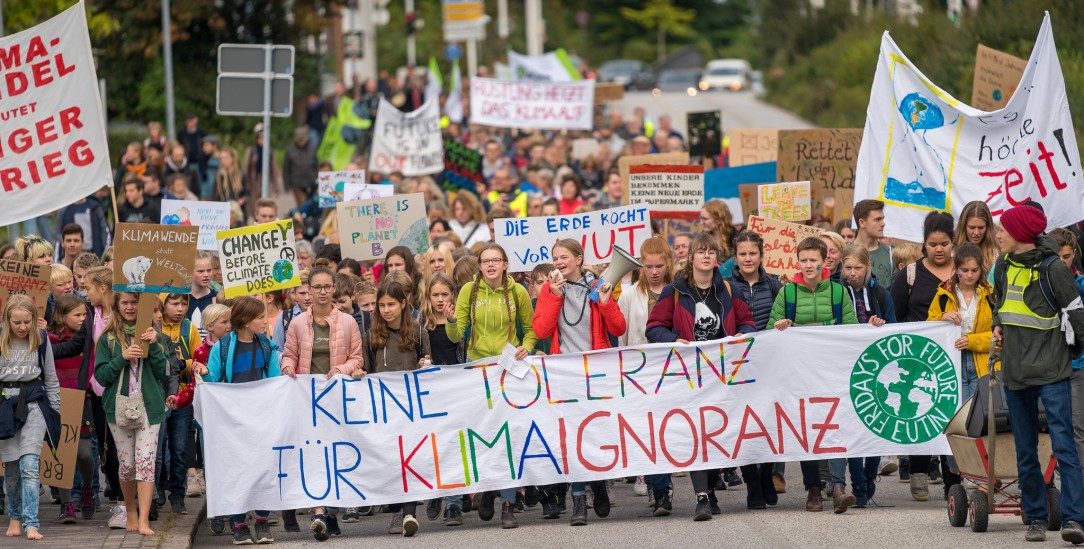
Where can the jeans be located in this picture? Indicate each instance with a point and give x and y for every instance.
(857, 466)
(969, 377)
(41, 226)
(1077, 383)
(579, 489)
(659, 485)
(811, 474)
(241, 518)
(508, 495)
(21, 478)
(173, 438)
(1023, 407)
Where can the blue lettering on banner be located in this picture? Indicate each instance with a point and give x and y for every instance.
(346, 399)
(339, 472)
(524, 456)
(316, 401)
(327, 473)
(418, 391)
(281, 475)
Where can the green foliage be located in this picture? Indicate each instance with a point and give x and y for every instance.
(20, 15)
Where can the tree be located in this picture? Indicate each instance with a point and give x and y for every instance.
(664, 17)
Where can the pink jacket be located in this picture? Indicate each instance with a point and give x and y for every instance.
(345, 343)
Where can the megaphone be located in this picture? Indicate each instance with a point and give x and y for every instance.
(622, 264)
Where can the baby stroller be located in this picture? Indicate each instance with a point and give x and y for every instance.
(981, 440)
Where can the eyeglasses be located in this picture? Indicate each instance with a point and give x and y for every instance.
(496, 261)
(322, 289)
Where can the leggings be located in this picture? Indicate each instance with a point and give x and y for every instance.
(84, 462)
(136, 451)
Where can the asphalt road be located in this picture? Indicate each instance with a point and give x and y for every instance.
(898, 522)
(740, 109)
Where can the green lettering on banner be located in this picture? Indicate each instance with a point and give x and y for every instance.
(901, 391)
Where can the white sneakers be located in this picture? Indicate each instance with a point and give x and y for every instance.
(118, 518)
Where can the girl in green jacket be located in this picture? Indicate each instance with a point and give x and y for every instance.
(119, 362)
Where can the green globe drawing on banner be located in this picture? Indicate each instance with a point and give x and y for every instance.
(905, 388)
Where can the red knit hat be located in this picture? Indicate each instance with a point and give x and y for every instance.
(1024, 223)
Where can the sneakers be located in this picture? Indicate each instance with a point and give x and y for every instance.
(241, 535)
(395, 527)
(508, 517)
(640, 488)
(202, 482)
(935, 470)
(272, 518)
(485, 506)
(178, 507)
(468, 502)
(263, 533)
(610, 498)
(410, 526)
(703, 509)
(1036, 531)
(87, 502)
(905, 470)
(920, 487)
(333, 525)
(579, 511)
(351, 515)
(366, 511)
(67, 514)
(888, 468)
(662, 507)
(1071, 532)
(813, 501)
(780, 483)
(192, 489)
(731, 477)
(549, 505)
(713, 504)
(453, 516)
(217, 525)
(118, 518)
(318, 526)
(601, 501)
(433, 507)
(841, 500)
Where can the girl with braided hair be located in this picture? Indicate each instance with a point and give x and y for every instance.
(491, 306)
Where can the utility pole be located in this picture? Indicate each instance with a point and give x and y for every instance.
(167, 56)
(535, 27)
(411, 44)
(472, 58)
(502, 19)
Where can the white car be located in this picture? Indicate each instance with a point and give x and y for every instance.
(726, 74)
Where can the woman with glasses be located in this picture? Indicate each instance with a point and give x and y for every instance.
(323, 340)
(699, 306)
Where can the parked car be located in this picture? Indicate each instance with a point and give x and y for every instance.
(678, 80)
(726, 74)
(621, 71)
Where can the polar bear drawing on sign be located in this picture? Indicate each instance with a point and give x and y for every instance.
(135, 270)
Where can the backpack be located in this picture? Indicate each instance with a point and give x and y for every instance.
(186, 339)
(223, 352)
(790, 302)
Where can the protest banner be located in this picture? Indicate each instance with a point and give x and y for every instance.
(784, 201)
(154, 258)
(781, 240)
(675, 225)
(925, 151)
(996, 76)
(810, 393)
(462, 167)
(58, 470)
(826, 158)
(753, 146)
(554, 66)
(534, 105)
(370, 228)
(54, 144)
(29, 279)
(210, 217)
(330, 186)
(528, 240)
(258, 259)
(365, 191)
(407, 142)
(727, 184)
(705, 133)
(667, 189)
(584, 147)
(625, 162)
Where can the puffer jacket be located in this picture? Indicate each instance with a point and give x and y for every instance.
(759, 295)
(344, 343)
(491, 331)
(814, 307)
(1030, 357)
(978, 341)
(674, 315)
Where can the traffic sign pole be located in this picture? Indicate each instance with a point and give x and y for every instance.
(265, 156)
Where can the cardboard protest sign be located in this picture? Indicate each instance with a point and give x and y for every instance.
(705, 133)
(661, 159)
(728, 184)
(667, 189)
(609, 91)
(58, 470)
(210, 217)
(365, 191)
(369, 228)
(55, 150)
(784, 201)
(996, 76)
(331, 185)
(747, 195)
(844, 206)
(753, 146)
(154, 258)
(799, 395)
(924, 150)
(584, 147)
(528, 240)
(462, 167)
(781, 243)
(825, 158)
(675, 225)
(535, 105)
(258, 259)
(407, 142)
(18, 278)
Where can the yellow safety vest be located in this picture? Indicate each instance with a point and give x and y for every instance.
(1014, 311)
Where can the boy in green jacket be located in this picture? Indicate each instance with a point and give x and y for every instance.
(814, 300)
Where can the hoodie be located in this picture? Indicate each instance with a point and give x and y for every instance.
(1030, 357)
(813, 306)
(491, 330)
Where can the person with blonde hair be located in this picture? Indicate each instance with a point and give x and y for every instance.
(34, 249)
(436, 261)
(834, 263)
(27, 375)
(976, 226)
(636, 302)
(716, 220)
(469, 219)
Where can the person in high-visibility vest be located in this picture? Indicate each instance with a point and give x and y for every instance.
(1038, 314)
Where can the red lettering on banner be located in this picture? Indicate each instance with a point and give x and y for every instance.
(710, 436)
(404, 464)
(607, 448)
(624, 427)
(750, 435)
(564, 443)
(823, 428)
(692, 431)
(781, 416)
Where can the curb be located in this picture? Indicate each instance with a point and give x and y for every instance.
(182, 533)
